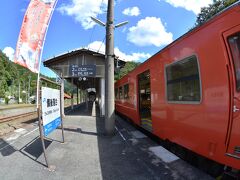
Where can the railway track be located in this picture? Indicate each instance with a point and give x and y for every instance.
(17, 117)
(19, 114)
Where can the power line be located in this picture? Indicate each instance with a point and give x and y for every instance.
(93, 29)
(91, 36)
(102, 43)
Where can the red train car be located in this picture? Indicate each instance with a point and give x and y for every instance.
(189, 92)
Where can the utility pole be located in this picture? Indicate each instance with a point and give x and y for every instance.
(109, 71)
(109, 68)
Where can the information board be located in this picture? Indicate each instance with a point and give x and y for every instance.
(82, 70)
(50, 109)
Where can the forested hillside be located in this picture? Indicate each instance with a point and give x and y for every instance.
(128, 67)
(211, 10)
(15, 80)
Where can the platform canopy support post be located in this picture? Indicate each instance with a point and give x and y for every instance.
(62, 106)
(72, 94)
(62, 97)
(77, 95)
(102, 90)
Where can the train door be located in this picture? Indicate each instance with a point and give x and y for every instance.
(144, 93)
(232, 40)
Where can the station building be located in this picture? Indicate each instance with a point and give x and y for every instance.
(84, 69)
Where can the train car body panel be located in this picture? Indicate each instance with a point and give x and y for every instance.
(194, 101)
(232, 41)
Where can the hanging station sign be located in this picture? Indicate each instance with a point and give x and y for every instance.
(82, 70)
(50, 109)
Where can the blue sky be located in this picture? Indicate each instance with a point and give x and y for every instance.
(152, 25)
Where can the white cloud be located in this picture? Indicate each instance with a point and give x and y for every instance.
(82, 10)
(134, 11)
(9, 52)
(131, 57)
(190, 5)
(149, 31)
(98, 46)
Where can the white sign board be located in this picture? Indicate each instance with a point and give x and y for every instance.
(50, 109)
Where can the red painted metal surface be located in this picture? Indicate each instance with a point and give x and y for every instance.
(209, 128)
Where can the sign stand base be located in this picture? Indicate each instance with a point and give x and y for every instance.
(51, 168)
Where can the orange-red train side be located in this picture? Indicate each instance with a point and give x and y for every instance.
(193, 91)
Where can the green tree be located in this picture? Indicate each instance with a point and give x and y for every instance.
(129, 66)
(208, 12)
(11, 75)
(5, 76)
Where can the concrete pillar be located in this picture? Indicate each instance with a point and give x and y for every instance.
(86, 95)
(99, 96)
(77, 96)
(72, 96)
(102, 91)
(80, 96)
(62, 97)
(109, 71)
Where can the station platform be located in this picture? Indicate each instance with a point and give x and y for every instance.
(88, 154)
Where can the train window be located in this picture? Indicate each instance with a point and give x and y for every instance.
(116, 93)
(234, 42)
(126, 91)
(120, 93)
(183, 84)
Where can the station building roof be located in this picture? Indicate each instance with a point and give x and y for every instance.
(65, 56)
(61, 64)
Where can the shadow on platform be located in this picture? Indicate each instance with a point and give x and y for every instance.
(5, 148)
(83, 109)
(32, 150)
(89, 154)
(118, 159)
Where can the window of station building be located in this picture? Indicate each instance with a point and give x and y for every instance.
(126, 91)
(116, 93)
(234, 43)
(183, 81)
(120, 93)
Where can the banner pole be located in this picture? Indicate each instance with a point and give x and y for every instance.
(40, 123)
(38, 91)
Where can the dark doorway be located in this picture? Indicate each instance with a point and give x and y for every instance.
(144, 92)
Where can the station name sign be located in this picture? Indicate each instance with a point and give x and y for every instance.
(50, 109)
(82, 70)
